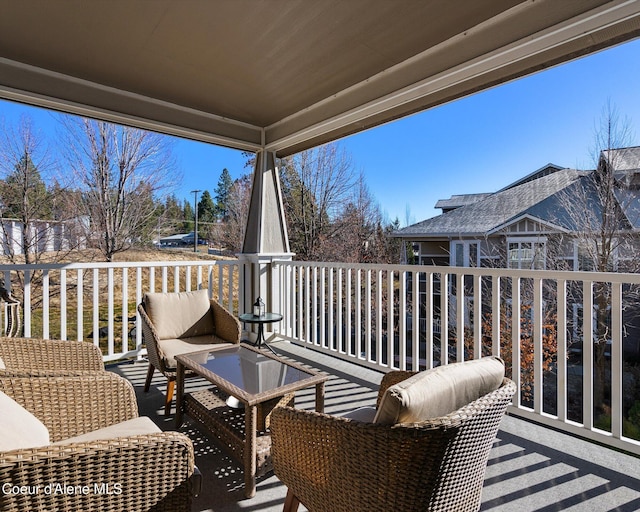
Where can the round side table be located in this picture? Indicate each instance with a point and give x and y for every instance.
(267, 318)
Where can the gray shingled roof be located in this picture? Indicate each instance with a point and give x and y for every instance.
(537, 198)
(458, 200)
(624, 159)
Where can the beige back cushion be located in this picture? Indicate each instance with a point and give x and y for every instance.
(180, 315)
(439, 391)
(19, 429)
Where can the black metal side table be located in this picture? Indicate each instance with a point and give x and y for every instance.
(267, 318)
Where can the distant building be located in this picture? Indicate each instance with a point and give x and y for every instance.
(43, 236)
(179, 240)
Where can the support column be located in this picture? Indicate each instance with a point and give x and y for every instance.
(265, 238)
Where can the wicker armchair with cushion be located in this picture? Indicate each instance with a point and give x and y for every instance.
(179, 323)
(77, 444)
(423, 448)
(37, 357)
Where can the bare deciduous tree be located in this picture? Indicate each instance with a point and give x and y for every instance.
(602, 208)
(119, 170)
(237, 213)
(316, 185)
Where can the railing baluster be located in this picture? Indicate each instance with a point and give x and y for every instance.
(587, 355)
(27, 303)
(460, 316)
(428, 316)
(125, 310)
(45, 304)
(63, 304)
(349, 348)
(477, 316)
(538, 384)
(187, 280)
(496, 315)
(80, 303)
(561, 357)
(368, 316)
(339, 316)
(96, 308)
(138, 301)
(110, 312)
(515, 339)
(402, 320)
(444, 318)
(616, 360)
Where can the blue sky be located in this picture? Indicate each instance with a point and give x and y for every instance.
(477, 144)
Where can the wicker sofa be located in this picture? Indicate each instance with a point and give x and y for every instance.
(405, 454)
(179, 323)
(76, 443)
(37, 357)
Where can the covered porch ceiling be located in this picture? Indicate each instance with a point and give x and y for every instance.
(285, 75)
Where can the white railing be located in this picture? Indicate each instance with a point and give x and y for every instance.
(349, 310)
(99, 300)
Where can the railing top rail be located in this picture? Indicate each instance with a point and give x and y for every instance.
(558, 275)
(118, 264)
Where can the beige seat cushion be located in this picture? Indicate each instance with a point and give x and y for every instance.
(176, 346)
(180, 315)
(439, 391)
(134, 427)
(19, 429)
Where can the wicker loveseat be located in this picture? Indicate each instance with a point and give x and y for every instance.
(387, 458)
(77, 444)
(179, 323)
(37, 357)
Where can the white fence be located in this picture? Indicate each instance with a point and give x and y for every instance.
(99, 300)
(392, 316)
(409, 317)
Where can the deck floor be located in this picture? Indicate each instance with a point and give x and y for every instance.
(531, 468)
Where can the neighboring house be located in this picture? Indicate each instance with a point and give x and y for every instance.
(536, 222)
(530, 224)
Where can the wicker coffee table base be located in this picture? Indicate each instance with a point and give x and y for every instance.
(226, 424)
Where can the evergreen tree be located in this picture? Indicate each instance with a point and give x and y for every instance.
(24, 193)
(222, 192)
(188, 216)
(206, 208)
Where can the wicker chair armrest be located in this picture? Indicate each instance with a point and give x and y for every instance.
(21, 373)
(39, 354)
(332, 463)
(391, 378)
(150, 337)
(138, 473)
(227, 326)
(70, 406)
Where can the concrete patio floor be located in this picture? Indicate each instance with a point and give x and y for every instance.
(531, 467)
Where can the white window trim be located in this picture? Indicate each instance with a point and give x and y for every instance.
(524, 240)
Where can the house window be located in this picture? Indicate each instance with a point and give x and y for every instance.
(526, 254)
(465, 254)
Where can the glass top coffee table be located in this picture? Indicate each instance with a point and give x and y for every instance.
(257, 382)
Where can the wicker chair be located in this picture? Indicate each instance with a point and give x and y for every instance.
(179, 323)
(339, 464)
(24, 357)
(139, 469)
